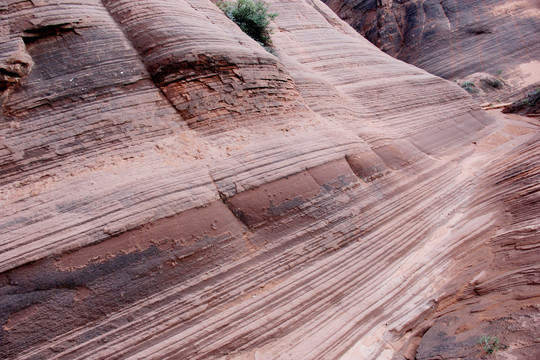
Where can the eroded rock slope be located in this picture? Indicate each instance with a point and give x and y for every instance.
(455, 39)
(170, 189)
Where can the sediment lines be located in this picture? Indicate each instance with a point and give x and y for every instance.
(232, 213)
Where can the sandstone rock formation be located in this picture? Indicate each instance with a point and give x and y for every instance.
(169, 189)
(454, 39)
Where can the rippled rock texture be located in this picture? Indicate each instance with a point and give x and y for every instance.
(454, 39)
(169, 189)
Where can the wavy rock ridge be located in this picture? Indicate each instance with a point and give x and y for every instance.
(171, 190)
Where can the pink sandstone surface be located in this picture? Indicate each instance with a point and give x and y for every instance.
(169, 189)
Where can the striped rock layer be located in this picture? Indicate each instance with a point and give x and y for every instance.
(452, 38)
(169, 189)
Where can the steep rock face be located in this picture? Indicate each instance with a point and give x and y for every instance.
(453, 39)
(171, 190)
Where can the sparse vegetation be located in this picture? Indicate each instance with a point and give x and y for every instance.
(253, 17)
(494, 83)
(469, 86)
(530, 105)
(491, 344)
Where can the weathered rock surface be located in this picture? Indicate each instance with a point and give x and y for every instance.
(454, 39)
(169, 189)
(502, 299)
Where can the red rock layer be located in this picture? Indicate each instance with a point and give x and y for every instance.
(171, 190)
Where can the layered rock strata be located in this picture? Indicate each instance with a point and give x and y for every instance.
(171, 190)
(455, 39)
(501, 298)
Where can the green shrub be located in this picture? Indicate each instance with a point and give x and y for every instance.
(469, 86)
(494, 83)
(252, 17)
(533, 98)
(491, 344)
(530, 105)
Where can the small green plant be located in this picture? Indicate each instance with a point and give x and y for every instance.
(533, 98)
(491, 344)
(253, 17)
(469, 86)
